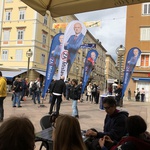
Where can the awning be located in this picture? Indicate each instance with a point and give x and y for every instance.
(141, 79)
(59, 8)
(11, 74)
(4, 68)
(41, 72)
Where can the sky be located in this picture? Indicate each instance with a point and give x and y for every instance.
(111, 32)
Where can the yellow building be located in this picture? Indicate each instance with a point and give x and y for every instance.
(111, 71)
(1, 16)
(138, 35)
(24, 29)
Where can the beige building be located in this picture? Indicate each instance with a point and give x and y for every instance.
(22, 29)
(1, 16)
(138, 35)
(111, 71)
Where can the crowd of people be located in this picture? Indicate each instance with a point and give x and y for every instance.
(71, 90)
(121, 132)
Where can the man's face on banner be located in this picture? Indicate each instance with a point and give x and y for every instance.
(93, 55)
(77, 28)
(135, 52)
(61, 38)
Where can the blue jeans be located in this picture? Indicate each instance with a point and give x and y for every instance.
(74, 107)
(36, 94)
(16, 98)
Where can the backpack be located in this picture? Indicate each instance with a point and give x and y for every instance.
(34, 86)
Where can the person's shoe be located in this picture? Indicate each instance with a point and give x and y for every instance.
(19, 106)
(77, 116)
(14, 106)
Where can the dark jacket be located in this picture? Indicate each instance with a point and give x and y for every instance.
(115, 125)
(118, 93)
(17, 87)
(51, 86)
(132, 143)
(59, 87)
(74, 93)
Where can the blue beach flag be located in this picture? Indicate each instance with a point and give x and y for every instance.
(132, 58)
(53, 60)
(88, 66)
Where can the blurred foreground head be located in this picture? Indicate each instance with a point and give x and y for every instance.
(67, 134)
(17, 133)
(136, 125)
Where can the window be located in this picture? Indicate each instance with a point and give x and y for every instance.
(42, 59)
(45, 19)
(145, 60)
(146, 9)
(145, 34)
(21, 14)
(20, 35)
(8, 15)
(78, 57)
(8, 1)
(67, 19)
(44, 36)
(6, 36)
(18, 55)
(4, 54)
(44, 39)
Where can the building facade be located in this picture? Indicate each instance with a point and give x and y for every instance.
(138, 35)
(111, 71)
(22, 29)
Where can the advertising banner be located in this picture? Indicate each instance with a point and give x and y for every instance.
(132, 58)
(73, 38)
(53, 60)
(88, 66)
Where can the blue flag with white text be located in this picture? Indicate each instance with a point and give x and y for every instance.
(132, 58)
(88, 66)
(53, 60)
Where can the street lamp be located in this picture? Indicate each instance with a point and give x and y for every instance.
(120, 52)
(29, 55)
(77, 69)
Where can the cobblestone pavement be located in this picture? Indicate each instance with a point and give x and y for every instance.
(89, 114)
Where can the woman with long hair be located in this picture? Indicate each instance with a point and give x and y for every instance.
(67, 134)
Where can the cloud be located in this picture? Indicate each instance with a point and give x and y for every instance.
(111, 33)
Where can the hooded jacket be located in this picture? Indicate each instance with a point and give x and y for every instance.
(115, 125)
(3, 89)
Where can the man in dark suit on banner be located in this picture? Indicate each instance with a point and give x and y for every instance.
(73, 44)
(133, 60)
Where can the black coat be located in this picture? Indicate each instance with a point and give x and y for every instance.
(59, 87)
(74, 93)
(118, 93)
